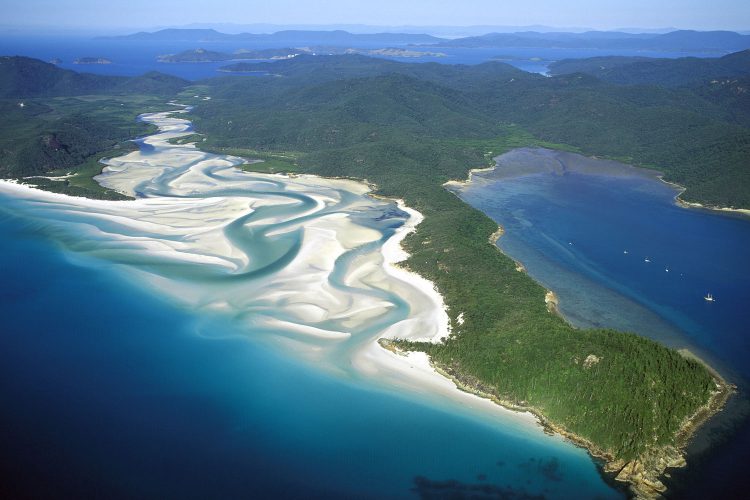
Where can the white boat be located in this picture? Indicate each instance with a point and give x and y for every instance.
(709, 298)
(646, 260)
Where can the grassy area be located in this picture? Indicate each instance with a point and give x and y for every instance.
(82, 182)
(69, 134)
(262, 161)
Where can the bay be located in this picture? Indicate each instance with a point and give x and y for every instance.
(618, 252)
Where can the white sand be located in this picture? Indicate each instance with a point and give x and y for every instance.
(187, 202)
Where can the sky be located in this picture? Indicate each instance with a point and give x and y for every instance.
(597, 14)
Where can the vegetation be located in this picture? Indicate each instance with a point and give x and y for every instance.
(203, 55)
(409, 128)
(663, 72)
(59, 122)
(676, 41)
(409, 131)
(54, 137)
(24, 77)
(697, 136)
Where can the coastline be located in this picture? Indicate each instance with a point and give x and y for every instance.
(428, 319)
(643, 474)
(426, 376)
(414, 370)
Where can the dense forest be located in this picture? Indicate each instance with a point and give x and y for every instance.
(662, 72)
(697, 135)
(409, 128)
(57, 121)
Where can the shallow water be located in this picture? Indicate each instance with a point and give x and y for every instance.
(169, 347)
(618, 252)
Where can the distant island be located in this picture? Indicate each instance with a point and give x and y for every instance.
(682, 40)
(286, 37)
(203, 55)
(679, 40)
(90, 60)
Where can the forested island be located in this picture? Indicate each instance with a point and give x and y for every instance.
(203, 55)
(408, 129)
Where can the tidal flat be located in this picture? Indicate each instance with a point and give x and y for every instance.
(276, 289)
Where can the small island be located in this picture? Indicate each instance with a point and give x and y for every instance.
(396, 52)
(91, 60)
(204, 55)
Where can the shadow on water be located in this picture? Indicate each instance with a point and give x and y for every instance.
(451, 489)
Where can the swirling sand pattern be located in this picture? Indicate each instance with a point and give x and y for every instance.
(303, 262)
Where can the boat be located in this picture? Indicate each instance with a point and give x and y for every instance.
(709, 298)
(647, 260)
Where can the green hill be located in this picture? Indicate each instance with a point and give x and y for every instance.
(24, 77)
(409, 128)
(61, 121)
(696, 136)
(664, 72)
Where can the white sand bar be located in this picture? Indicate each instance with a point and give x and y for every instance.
(310, 263)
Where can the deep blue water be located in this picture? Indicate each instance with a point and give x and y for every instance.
(108, 391)
(572, 231)
(137, 57)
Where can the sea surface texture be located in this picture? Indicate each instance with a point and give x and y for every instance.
(216, 338)
(617, 250)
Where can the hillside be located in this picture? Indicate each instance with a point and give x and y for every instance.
(683, 40)
(410, 128)
(407, 129)
(696, 137)
(281, 38)
(664, 72)
(203, 55)
(62, 121)
(24, 77)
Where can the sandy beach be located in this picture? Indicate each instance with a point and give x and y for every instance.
(276, 253)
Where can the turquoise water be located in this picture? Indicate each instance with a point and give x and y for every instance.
(588, 236)
(105, 387)
(118, 380)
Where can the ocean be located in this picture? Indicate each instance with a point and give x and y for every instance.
(111, 387)
(135, 57)
(618, 252)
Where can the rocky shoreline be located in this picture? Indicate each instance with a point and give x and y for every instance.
(643, 475)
